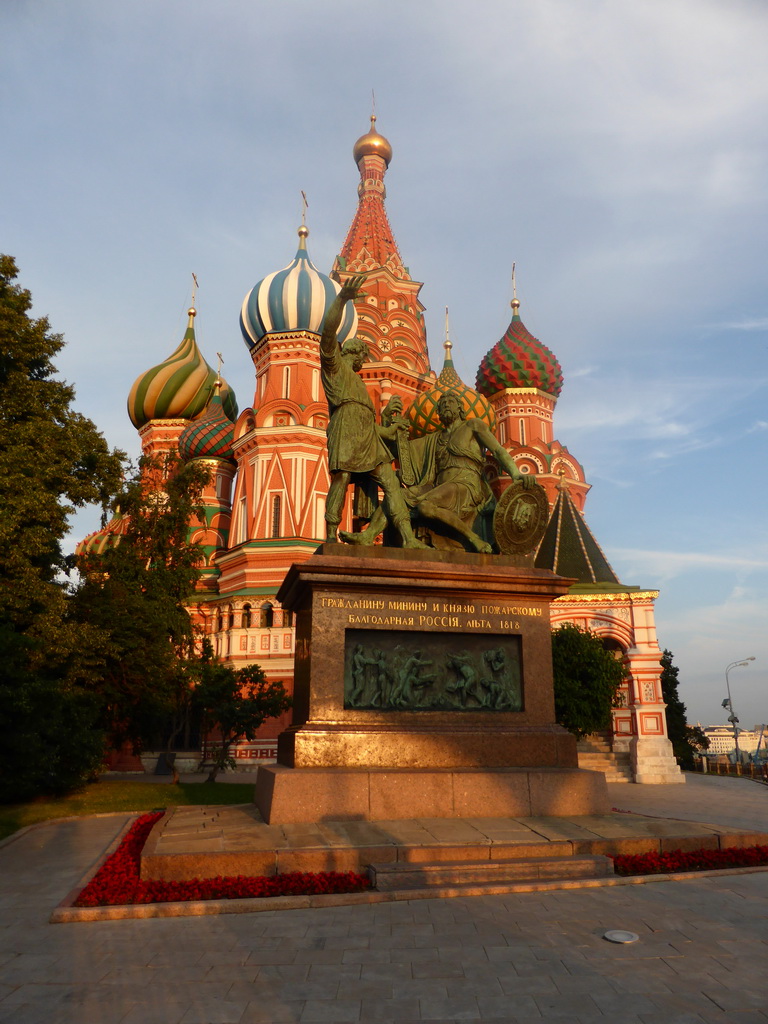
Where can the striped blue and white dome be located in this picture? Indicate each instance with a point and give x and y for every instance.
(295, 298)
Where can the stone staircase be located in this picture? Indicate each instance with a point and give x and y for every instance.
(488, 876)
(596, 755)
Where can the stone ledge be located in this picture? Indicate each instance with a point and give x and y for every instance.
(292, 795)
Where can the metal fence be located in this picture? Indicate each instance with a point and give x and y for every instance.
(758, 772)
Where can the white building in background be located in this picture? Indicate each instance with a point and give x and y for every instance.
(721, 739)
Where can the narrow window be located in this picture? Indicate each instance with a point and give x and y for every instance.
(286, 382)
(276, 509)
(522, 431)
(266, 616)
(319, 518)
(243, 524)
(245, 621)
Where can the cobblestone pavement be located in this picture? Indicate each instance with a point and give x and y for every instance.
(700, 957)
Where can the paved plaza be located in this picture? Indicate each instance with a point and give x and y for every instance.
(701, 954)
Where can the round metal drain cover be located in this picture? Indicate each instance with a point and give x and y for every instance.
(620, 936)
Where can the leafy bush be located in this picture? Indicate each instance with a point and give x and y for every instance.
(587, 678)
(236, 704)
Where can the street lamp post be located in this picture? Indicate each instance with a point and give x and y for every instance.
(732, 717)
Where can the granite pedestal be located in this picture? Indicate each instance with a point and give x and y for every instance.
(423, 687)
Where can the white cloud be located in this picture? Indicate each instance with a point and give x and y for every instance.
(665, 565)
(638, 406)
(759, 323)
(681, 450)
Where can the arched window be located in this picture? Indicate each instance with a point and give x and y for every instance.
(287, 617)
(245, 620)
(230, 617)
(286, 382)
(266, 616)
(522, 431)
(276, 512)
(612, 645)
(219, 621)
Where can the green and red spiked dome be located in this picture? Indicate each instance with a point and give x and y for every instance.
(519, 360)
(210, 437)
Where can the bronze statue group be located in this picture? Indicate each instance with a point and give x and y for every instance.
(449, 487)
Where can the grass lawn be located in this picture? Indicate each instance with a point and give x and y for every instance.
(120, 795)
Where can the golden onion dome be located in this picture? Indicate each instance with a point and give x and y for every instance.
(372, 144)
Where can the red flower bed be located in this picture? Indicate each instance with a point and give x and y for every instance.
(693, 860)
(117, 881)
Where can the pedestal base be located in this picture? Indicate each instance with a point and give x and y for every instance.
(489, 744)
(653, 762)
(291, 795)
(423, 689)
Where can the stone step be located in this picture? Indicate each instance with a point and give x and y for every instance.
(604, 760)
(615, 767)
(396, 876)
(600, 742)
(589, 746)
(616, 776)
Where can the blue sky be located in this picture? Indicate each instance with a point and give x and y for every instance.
(618, 152)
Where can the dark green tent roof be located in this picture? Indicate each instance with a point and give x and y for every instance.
(568, 547)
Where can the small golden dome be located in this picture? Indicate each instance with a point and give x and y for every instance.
(372, 144)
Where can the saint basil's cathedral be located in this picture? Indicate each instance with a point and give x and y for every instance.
(265, 502)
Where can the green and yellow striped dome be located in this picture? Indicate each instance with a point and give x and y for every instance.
(179, 388)
(109, 536)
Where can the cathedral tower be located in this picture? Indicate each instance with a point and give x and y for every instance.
(208, 441)
(389, 312)
(279, 449)
(522, 380)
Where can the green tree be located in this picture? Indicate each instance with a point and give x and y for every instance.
(686, 739)
(52, 460)
(136, 593)
(51, 737)
(235, 704)
(587, 678)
